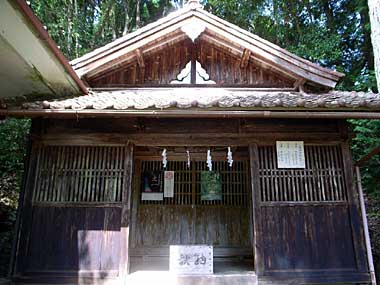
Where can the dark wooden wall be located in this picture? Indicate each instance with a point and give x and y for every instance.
(163, 66)
(67, 240)
(293, 236)
(72, 224)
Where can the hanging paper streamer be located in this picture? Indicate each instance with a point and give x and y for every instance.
(229, 157)
(164, 158)
(209, 160)
(188, 159)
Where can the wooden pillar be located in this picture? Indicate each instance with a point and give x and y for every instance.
(257, 236)
(21, 202)
(353, 204)
(19, 252)
(193, 74)
(126, 214)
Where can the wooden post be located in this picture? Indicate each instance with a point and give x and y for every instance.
(365, 225)
(126, 214)
(257, 238)
(193, 70)
(352, 197)
(16, 235)
(25, 212)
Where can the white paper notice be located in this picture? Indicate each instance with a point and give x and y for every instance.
(290, 154)
(169, 184)
(152, 196)
(192, 259)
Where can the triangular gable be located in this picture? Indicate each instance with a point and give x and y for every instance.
(193, 22)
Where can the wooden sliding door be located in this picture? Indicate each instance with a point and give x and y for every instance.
(306, 218)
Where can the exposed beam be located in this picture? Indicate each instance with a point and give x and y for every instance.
(299, 85)
(140, 58)
(245, 59)
(141, 63)
(236, 51)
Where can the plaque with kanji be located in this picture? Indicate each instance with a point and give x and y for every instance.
(191, 259)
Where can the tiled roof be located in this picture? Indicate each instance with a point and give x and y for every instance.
(215, 98)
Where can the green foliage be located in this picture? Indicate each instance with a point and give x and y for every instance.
(13, 135)
(12, 144)
(367, 138)
(79, 26)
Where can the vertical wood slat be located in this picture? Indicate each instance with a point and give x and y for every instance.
(187, 187)
(321, 181)
(79, 174)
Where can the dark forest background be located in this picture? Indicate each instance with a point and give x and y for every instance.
(333, 33)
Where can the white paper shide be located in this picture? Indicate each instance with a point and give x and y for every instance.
(290, 154)
(191, 259)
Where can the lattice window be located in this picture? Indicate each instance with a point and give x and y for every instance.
(321, 180)
(187, 182)
(79, 174)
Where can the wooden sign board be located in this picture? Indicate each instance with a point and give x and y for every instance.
(191, 259)
(290, 154)
(152, 188)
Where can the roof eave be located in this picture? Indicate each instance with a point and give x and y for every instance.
(50, 44)
(305, 114)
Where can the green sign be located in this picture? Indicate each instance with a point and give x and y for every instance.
(211, 186)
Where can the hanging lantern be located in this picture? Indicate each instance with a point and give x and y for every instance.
(164, 158)
(229, 157)
(209, 160)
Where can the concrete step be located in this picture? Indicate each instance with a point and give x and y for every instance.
(167, 278)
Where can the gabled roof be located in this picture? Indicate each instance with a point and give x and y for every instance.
(30, 61)
(194, 19)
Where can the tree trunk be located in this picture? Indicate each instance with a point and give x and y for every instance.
(76, 34)
(374, 13)
(69, 28)
(329, 15)
(126, 11)
(366, 46)
(138, 16)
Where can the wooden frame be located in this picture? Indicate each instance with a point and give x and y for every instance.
(144, 138)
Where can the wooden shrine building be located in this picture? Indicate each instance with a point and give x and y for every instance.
(192, 84)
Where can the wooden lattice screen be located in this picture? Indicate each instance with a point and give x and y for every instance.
(79, 174)
(321, 181)
(187, 185)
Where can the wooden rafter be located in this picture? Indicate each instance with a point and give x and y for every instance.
(236, 51)
(140, 58)
(299, 84)
(245, 59)
(141, 63)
